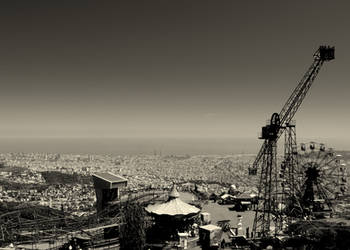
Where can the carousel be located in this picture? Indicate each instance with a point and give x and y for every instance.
(172, 217)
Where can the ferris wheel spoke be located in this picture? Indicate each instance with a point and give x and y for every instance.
(330, 161)
(329, 188)
(328, 181)
(328, 196)
(319, 154)
(325, 156)
(321, 167)
(332, 170)
(322, 161)
(322, 193)
(325, 179)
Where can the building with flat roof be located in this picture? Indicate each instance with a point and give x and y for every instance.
(107, 187)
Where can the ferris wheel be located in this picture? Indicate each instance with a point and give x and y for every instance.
(320, 177)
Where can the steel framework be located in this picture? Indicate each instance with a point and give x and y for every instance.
(55, 225)
(321, 179)
(268, 214)
(288, 173)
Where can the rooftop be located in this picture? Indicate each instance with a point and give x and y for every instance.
(210, 227)
(109, 177)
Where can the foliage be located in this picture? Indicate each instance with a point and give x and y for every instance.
(321, 234)
(9, 185)
(133, 229)
(55, 177)
(13, 169)
(27, 211)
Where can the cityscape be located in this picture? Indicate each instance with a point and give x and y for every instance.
(142, 171)
(156, 125)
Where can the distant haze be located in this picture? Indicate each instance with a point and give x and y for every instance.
(149, 146)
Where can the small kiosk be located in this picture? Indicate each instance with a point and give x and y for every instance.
(107, 187)
(210, 236)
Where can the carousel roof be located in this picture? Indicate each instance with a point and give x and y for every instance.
(173, 207)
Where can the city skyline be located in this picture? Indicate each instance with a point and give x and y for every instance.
(169, 69)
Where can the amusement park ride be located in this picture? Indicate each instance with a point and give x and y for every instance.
(303, 185)
(296, 188)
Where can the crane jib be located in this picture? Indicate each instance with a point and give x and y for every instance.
(324, 53)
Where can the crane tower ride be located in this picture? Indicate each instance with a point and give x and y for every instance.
(268, 214)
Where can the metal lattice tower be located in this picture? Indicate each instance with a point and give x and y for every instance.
(268, 213)
(288, 175)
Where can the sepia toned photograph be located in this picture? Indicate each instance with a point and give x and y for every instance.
(149, 125)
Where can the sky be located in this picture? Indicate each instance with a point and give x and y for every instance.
(169, 68)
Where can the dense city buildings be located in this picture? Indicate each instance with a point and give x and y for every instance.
(40, 172)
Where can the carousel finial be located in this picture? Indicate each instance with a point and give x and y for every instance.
(174, 193)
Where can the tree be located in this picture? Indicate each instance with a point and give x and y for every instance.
(133, 228)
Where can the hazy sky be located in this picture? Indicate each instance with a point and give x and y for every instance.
(169, 68)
